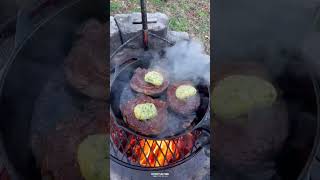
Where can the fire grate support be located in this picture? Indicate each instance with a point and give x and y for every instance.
(144, 32)
(152, 155)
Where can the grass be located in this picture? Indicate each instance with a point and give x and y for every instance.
(114, 6)
(178, 24)
(157, 2)
(192, 16)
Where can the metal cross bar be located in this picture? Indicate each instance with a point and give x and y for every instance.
(149, 20)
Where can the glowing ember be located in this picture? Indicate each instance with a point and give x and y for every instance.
(157, 153)
(153, 153)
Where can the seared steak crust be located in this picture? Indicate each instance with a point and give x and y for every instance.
(138, 84)
(179, 106)
(150, 127)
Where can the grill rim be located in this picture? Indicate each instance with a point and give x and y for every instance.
(193, 152)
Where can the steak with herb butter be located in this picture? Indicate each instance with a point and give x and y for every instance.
(145, 115)
(149, 82)
(239, 94)
(183, 98)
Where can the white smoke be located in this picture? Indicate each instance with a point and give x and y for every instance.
(187, 60)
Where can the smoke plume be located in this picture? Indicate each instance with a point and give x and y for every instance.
(186, 60)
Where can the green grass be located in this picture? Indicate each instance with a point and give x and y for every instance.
(114, 6)
(157, 2)
(178, 24)
(135, 9)
(202, 14)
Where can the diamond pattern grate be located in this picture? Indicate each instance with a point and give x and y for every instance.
(147, 153)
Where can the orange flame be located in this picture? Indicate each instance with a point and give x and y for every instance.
(155, 153)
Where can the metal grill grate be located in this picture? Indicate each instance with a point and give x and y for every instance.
(148, 154)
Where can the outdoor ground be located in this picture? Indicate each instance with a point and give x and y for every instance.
(192, 16)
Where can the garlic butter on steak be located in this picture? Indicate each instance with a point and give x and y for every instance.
(183, 97)
(145, 115)
(238, 94)
(154, 77)
(149, 81)
(184, 92)
(92, 159)
(145, 111)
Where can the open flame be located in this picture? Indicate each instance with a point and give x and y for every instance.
(155, 153)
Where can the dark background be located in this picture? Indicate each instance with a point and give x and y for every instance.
(267, 29)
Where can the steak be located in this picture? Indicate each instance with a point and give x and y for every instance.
(138, 83)
(86, 64)
(149, 127)
(179, 106)
(250, 146)
(244, 145)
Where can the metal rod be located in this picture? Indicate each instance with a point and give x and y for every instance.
(152, 21)
(144, 19)
(171, 43)
(123, 45)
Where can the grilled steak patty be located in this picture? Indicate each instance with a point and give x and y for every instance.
(86, 65)
(138, 83)
(180, 106)
(251, 146)
(238, 94)
(152, 126)
(247, 142)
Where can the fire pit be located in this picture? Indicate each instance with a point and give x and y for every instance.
(148, 154)
(168, 150)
